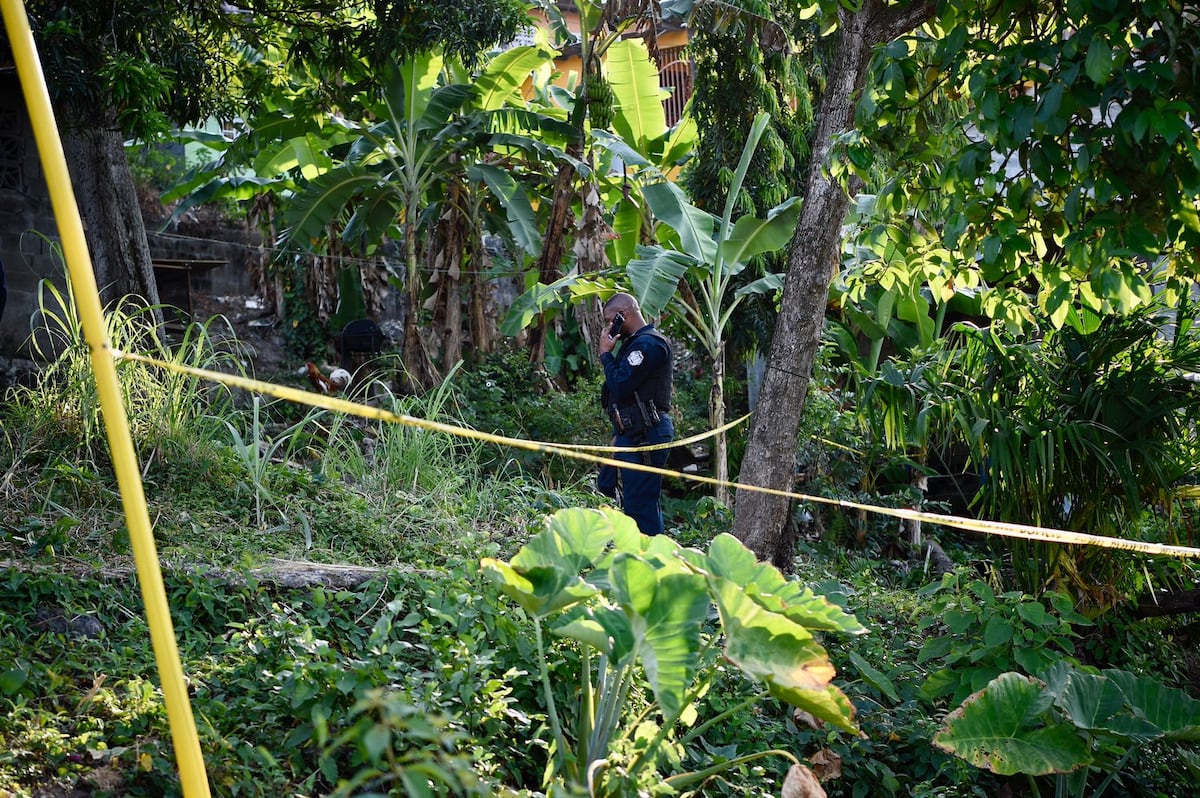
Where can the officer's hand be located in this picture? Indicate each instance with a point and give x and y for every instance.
(607, 344)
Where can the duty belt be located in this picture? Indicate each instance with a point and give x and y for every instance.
(636, 417)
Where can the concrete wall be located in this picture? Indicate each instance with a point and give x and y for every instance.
(28, 232)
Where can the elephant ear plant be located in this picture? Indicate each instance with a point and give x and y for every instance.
(640, 608)
(1080, 728)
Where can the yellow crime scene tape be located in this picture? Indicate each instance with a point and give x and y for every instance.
(1044, 534)
(193, 778)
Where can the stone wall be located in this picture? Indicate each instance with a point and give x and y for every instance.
(29, 243)
(28, 234)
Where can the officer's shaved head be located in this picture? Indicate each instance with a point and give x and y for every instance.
(622, 302)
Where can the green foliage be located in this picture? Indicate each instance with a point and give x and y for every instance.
(977, 634)
(1068, 723)
(1053, 199)
(1086, 431)
(748, 57)
(299, 691)
(645, 601)
(303, 331)
(704, 254)
(513, 397)
(60, 415)
(255, 454)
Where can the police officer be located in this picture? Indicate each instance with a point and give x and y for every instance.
(637, 399)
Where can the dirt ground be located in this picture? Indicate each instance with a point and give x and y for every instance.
(255, 326)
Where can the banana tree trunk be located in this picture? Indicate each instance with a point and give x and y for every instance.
(483, 323)
(591, 257)
(445, 266)
(418, 363)
(553, 251)
(716, 415)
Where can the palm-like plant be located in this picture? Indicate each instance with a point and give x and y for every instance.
(638, 608)
(415, 164)
(1082, 430)
(706, 253)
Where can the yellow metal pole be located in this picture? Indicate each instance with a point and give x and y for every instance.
(193, 778)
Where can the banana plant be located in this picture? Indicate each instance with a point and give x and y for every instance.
(637, 607)
(639, 149)
(431, 127)
(1068, 725)
(707, 252)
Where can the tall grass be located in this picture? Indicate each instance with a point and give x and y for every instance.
(165, 409)
(396, 463)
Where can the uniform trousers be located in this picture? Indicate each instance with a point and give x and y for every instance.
(641, 490)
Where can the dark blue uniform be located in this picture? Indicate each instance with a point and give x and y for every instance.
(637, 388)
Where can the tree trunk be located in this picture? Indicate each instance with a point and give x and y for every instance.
(716, 417)
(554, 249)
(445, 268)
(420, 372)
(770, 459)
(591, 258)
(112, 218)
(483, 323)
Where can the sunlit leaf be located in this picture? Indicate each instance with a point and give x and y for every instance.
(666, 610)
(1000, 728)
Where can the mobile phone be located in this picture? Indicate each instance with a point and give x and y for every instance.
(618, 322)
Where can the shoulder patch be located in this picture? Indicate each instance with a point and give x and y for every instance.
(636, 357)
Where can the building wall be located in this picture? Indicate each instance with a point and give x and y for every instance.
(28, 233)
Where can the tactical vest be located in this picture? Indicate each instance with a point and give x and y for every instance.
(656, 388)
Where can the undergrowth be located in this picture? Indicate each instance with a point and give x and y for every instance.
(418, 681)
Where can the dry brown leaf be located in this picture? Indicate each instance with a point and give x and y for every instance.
(803, 718)
(801, 783)
(826, 765)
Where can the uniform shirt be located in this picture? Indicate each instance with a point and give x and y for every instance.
(643, 366)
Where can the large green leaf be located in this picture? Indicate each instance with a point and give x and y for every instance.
(444, 102)
(694, 226)
(502, 78)
(544, 576)
(620, 148)
(375, 214)
(575, 537)
(537, 299)
(323, 200)
(828, 703)
(1089, 700)
(522, 220)
(627, 227)
(763, 285)
(729, 559)
(780, 652)
(1001, 728)
(308, 152)
(752, 236)
(638, 114)
(409, 91)
(1175, 713)
(540, 590)
(654, 276)
(681, 143)
(666, 609)
(605, 629)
